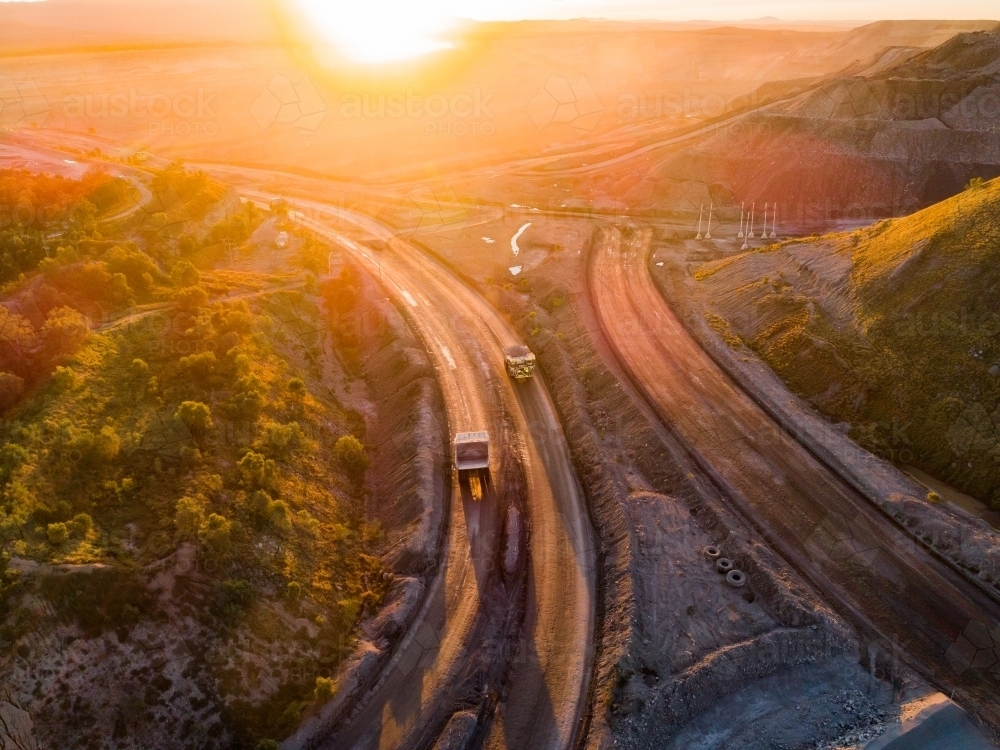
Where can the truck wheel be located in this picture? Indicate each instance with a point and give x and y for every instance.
(736, 578)
(724, 565)
(712, 552)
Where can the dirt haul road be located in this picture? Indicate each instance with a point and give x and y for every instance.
(549, 683)
(891, 588)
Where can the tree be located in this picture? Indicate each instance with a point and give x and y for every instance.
(140, 371)
(17, 337)
(184, 274)
(81, 525)
(57, 533)
(350, 452)
(189, 517)
(297, 389)
(199, 366)
(106, 445)
(12, 457)
(215, 533)
(257, 471)
(11, 388)
(324, 689)
(196, 416)
(65, 330)
(65, 378)
(190, 298)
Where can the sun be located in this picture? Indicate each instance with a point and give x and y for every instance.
(379, 31)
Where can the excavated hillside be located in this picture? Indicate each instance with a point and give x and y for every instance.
(891, 329)
(881, 139)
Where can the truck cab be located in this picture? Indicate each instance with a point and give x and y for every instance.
(519, 362)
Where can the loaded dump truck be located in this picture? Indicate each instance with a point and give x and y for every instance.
(519, 361)
(472, 456)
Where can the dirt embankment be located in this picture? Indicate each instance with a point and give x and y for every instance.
(407, 433)
(397, 396)
(673, 638)
(967, 543)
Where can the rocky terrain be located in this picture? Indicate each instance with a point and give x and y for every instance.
(890, 137)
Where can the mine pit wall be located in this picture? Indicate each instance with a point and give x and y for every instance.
(965, 543)
(879, 168)
(726, 671)
(808, 630)
(406, 476)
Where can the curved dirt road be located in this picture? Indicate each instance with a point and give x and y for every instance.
(892, 589)
(549, 681)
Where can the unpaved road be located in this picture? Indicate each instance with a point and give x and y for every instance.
(551, 671)
(893, 590)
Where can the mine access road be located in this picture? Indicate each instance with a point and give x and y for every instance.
(426, 681)
(903, 597)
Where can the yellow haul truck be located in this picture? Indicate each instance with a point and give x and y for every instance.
(472, 456)
(519, 361)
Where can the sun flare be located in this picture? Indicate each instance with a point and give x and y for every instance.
(379, 31)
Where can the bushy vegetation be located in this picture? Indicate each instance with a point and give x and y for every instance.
(34, 206)
(917, 374)
(146, 417)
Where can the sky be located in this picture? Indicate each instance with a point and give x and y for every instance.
(388, 30)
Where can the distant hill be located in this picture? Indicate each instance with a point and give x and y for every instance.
(899, 131)
(84, 23)
(894, 329)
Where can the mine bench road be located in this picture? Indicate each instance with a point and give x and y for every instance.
(905, 596)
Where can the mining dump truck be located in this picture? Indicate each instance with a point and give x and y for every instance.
(472, 457)
(519, 361)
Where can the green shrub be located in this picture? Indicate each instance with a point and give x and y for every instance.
(324, 689)
(189, 517)
(200, 366)
(257, 471)
(11, 388)
(270, 513)
(279, 517)
(106, 445)
(281, 439)
(196, 416)
(183, 274)
(65, 378)
(81, 525)
(12, 457)
(215, 534)
(350, 452)
(140, 371)
(238, 592)
(189, 299)
(57, 533)
(306, 521)
(246, 406)
(297, 389)
(64, 330)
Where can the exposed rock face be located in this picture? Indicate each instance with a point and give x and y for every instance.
(884, 140)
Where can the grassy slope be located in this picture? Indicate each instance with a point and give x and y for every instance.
(97, 467)
(912, 375)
